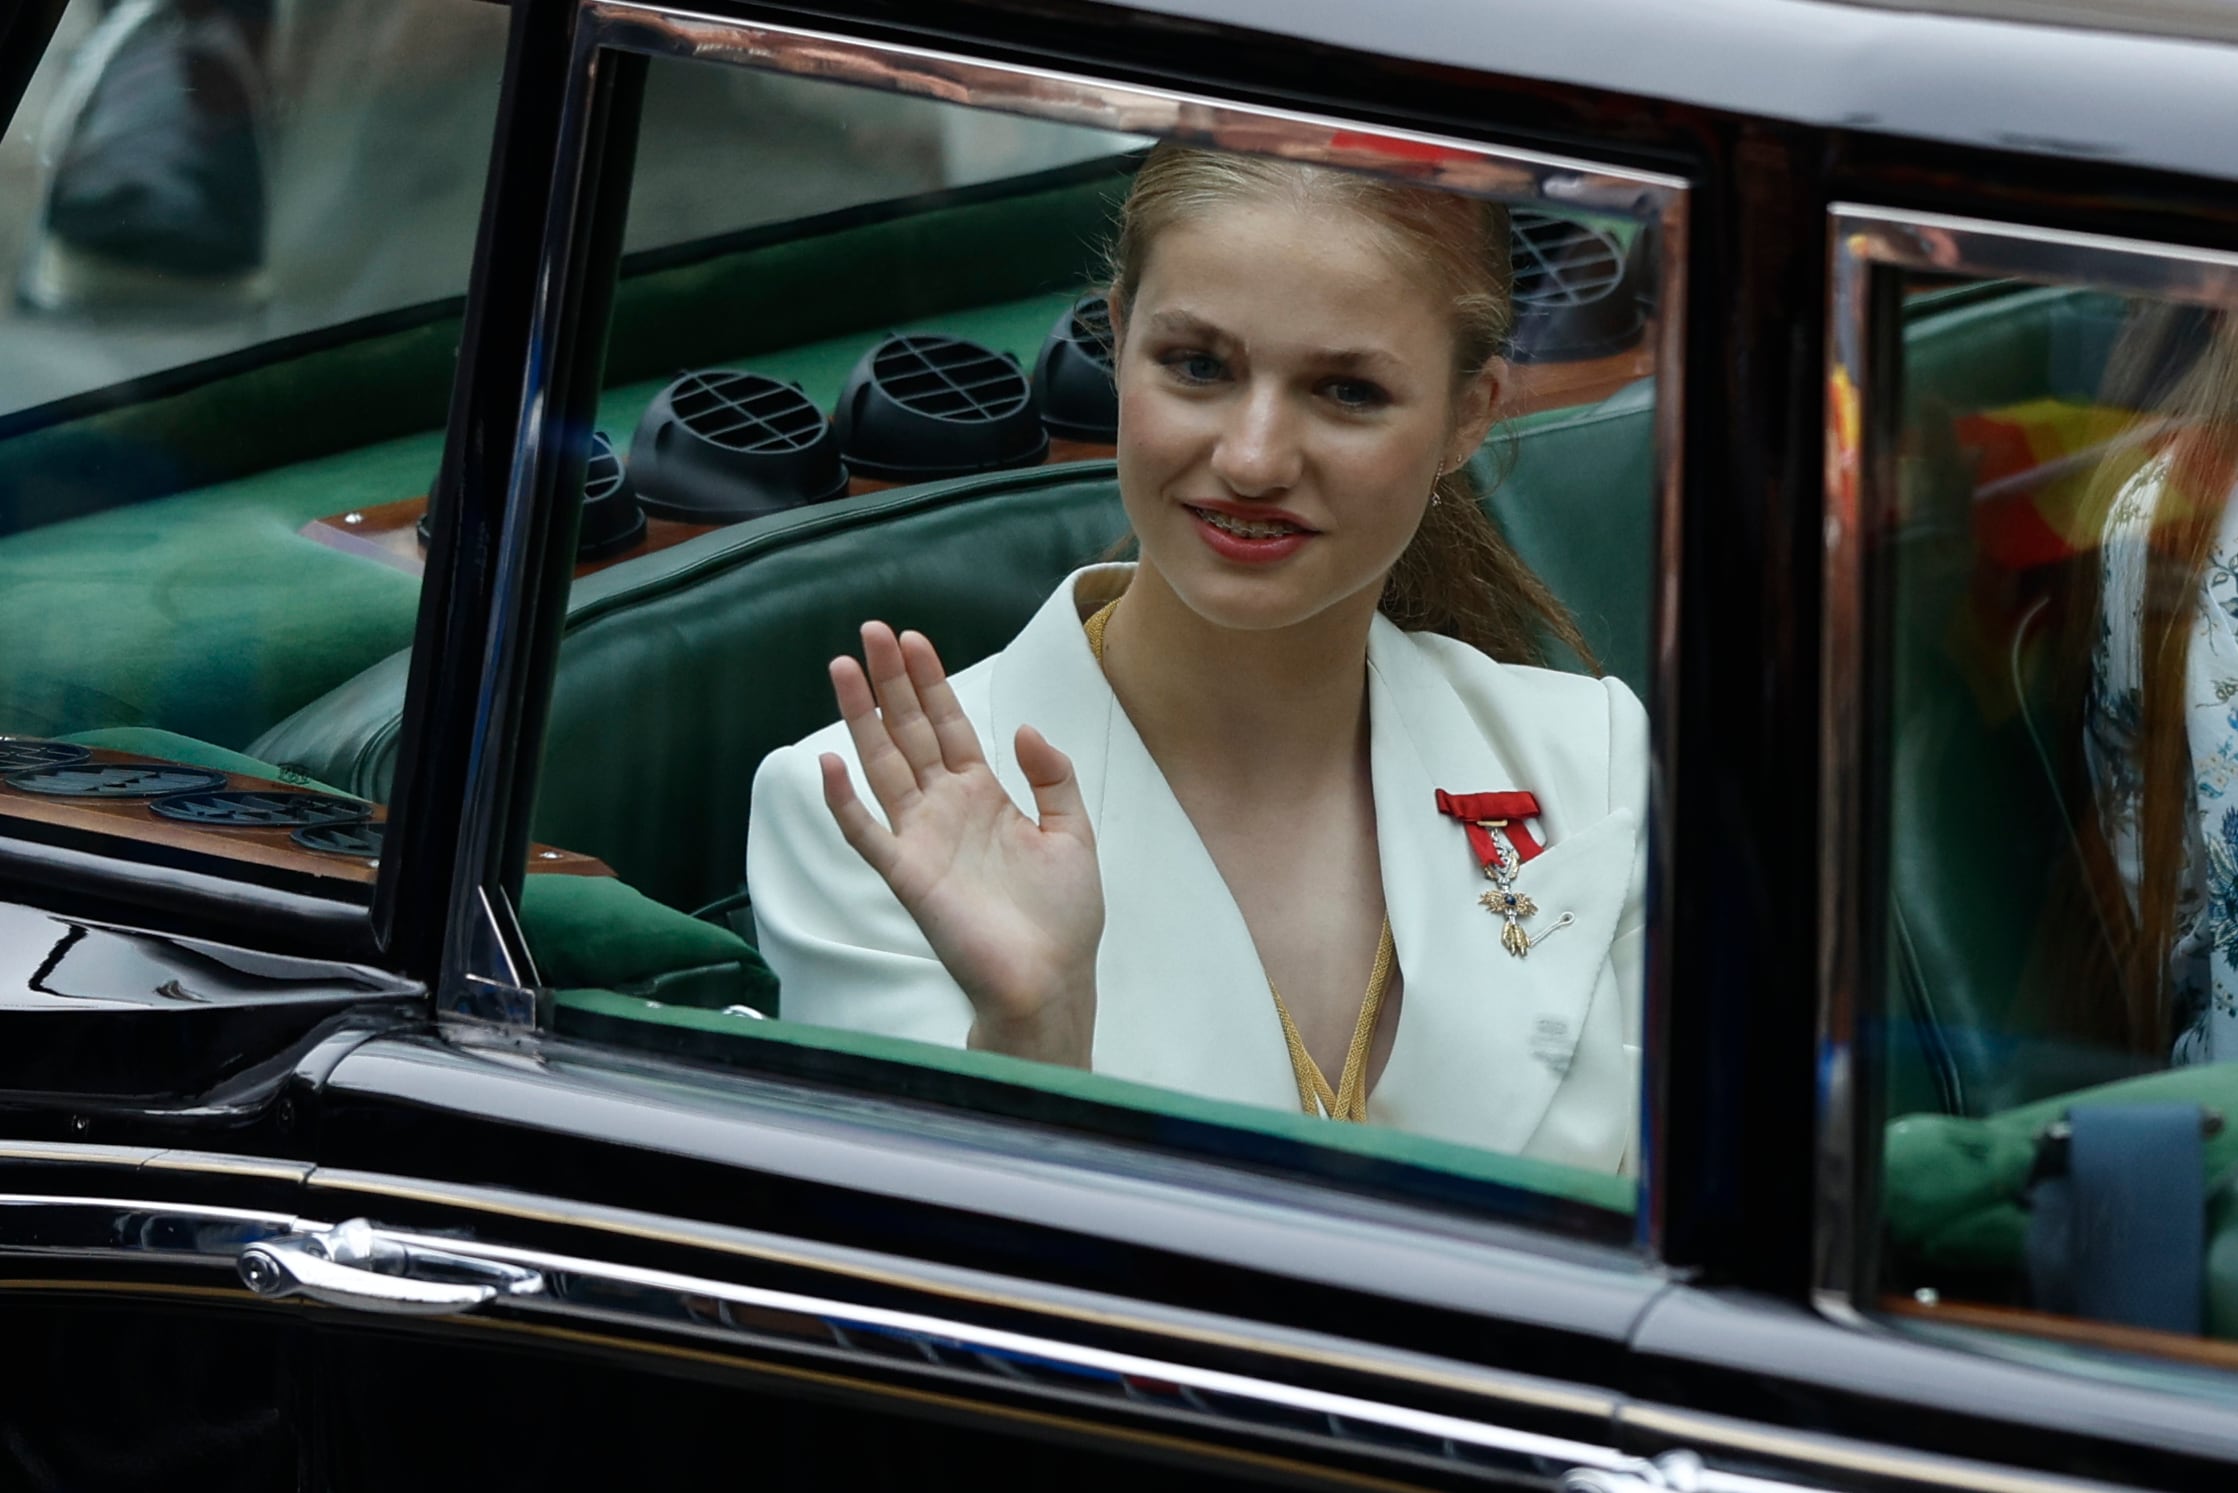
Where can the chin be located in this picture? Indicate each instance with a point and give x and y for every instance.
(1266, 600)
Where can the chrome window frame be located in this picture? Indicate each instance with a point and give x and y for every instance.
(488, 979)
(1863, 242)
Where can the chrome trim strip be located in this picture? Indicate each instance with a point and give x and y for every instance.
(48, 1227)
(77, 1153)
(1821, 1457)
(150, 1158)
(1669, 499)
(2047, 256)
(1132, 109)
(978, 1288)
(1840, 658)
(480, 983)
(1861, 240)
(636, 1298)
(220, 1164)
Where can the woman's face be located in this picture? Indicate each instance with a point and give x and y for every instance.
(1286, 399)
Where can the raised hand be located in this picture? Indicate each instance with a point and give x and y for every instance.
(1013, 908)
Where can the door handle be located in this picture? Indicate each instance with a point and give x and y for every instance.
(1672, 1472)
(355, 1264)
(1635, 1477)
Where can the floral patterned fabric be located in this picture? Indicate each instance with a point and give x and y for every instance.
(2203, 963)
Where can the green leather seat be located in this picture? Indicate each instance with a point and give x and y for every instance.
(1954, 1191)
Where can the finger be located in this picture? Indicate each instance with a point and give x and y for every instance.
(897, 699)
(891, 778)
(857, 825)
(959, 740)
(1056, 791)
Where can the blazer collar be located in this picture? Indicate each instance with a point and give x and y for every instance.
(1185, 1001)
(1484, 1038)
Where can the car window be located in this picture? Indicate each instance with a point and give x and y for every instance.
(201, 423)
(2052, 740)
(1291, 526)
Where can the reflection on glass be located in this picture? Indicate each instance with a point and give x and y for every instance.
(189, 179)
(1235, 549)
(2062, 746)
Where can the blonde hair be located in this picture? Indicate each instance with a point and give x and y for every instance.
(1458, 576)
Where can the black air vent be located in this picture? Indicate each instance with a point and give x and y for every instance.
(121, 781)
(926, 406)
(724, 445)
(949, 378)
(1573, 299)
(1072, 377)
(23, 753)
(612, 519)
(260, 809)
(361, 841)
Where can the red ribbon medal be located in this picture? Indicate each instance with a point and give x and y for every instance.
(1480, 814)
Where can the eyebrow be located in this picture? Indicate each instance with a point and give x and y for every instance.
(1349, 359)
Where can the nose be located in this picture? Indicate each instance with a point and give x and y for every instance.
(1258, 452)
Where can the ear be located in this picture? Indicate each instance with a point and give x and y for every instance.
(1474, 404)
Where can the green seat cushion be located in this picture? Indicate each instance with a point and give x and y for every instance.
(1574, 491)
(170, 746)
(919, 1068)
(206, 614)
(582, 930)
(1954, 1188)
(596, 931)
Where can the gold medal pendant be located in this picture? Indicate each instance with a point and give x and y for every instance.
(1506, 902)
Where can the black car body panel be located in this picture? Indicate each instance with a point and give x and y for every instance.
(805, 1284)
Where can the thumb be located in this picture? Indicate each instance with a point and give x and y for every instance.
(1056, 791)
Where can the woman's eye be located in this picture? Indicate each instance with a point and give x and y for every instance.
(1356, 394)
(1194, 367)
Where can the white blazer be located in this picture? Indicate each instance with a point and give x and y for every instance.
(1537, 1056)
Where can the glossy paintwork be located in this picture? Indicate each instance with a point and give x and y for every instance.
(2046, 90)
(1727, 1353)
(106, 1014)
(1027, 1201)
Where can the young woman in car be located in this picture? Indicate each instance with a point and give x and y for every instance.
(1285, 813)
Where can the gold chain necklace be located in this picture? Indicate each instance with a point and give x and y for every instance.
(1349, 1099)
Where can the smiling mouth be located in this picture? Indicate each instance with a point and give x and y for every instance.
(1248, 528)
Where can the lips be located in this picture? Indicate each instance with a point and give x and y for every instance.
(1247, 528)
(1248, 536)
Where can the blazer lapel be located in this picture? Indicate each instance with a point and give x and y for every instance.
(1485, 1038)
(1183, 999)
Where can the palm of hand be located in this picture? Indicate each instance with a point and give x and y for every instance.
(1012, 907)
(1008, 905)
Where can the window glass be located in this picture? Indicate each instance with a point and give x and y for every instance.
(1295, 853)
(2057, 814)
(191, 487)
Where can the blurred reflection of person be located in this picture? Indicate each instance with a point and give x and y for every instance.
(155, 153)
(2159, 741)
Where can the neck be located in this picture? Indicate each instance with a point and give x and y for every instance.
(1245, 713)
